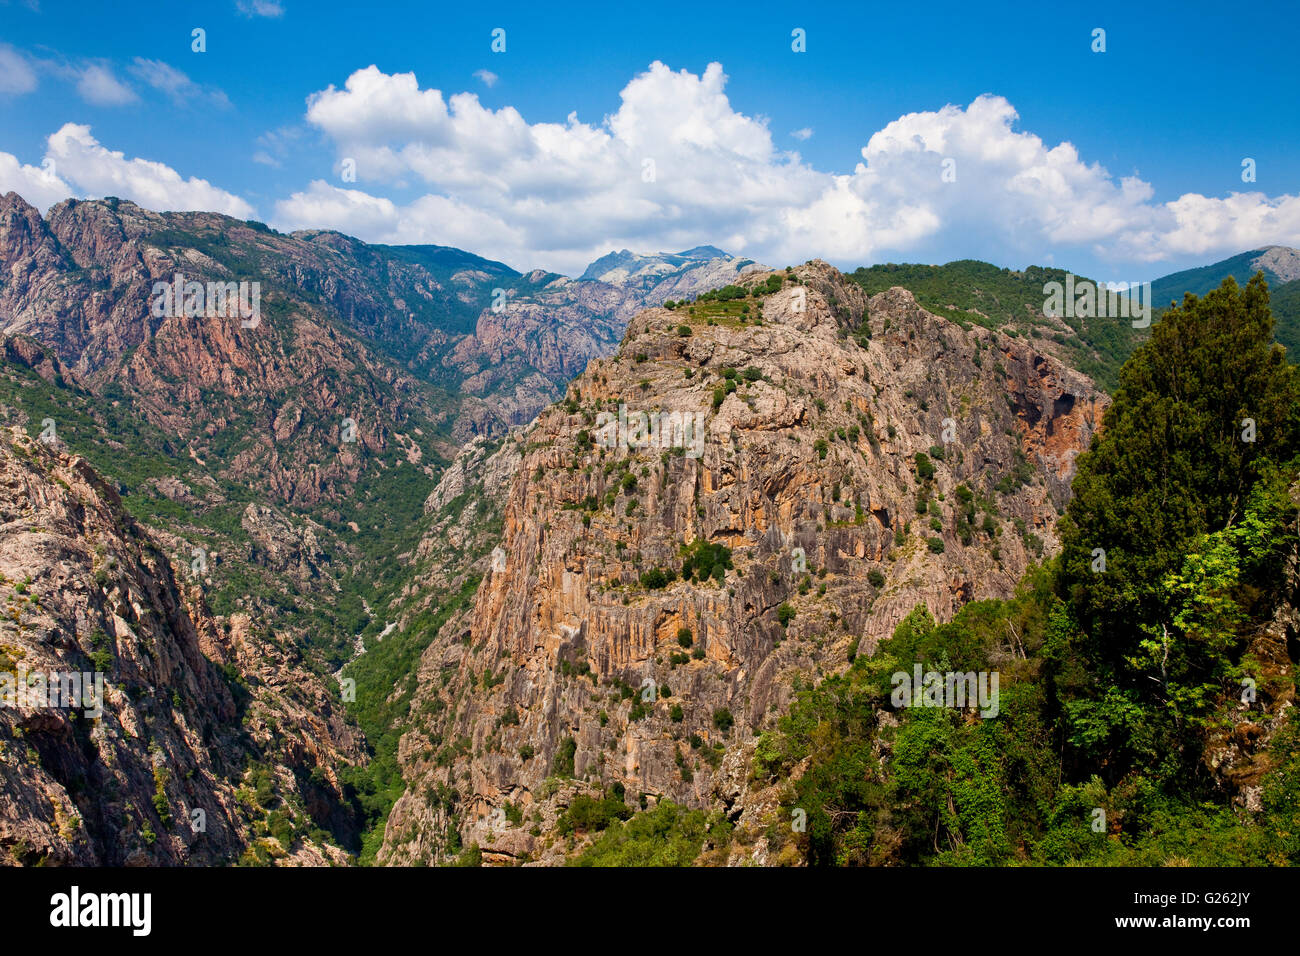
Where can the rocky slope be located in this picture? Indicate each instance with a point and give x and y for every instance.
(522, 354)
(211, 743)
(859, 458)
(338, 313)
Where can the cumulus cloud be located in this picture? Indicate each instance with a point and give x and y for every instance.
(676, 165)
(1202, 224)
(39, 185)
(77, 166)
(486, 77)
(673, 162)
(803, 134)
(97, 84)
(178, 87)
(16, 74)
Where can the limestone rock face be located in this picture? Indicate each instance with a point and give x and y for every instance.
(807, 471)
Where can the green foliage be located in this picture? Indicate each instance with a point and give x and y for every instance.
(668, 835)
(381, 713)
(587, 814)
(1187, 514)
(1112, 682)
(705, 559)
(656, 579)
(562, 765)
(924, 467)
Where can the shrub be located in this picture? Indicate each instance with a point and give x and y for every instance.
(655, 579)
(563, 764)
(706, 559)
(723, 720)
(587, 814)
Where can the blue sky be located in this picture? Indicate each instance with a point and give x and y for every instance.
(1156, 127)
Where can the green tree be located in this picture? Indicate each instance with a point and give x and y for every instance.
(1171, 467)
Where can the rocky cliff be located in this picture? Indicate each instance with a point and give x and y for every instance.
(654, 600)
(207, 743)
(350, 330)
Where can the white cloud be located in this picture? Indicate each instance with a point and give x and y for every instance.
(260, 8)
(97, 84)
(96, 171)
(39, 185)
(803, 134)
(322, 204)
(176, 85)
(1202, 225)
(486, 77)
(16, 74)
(676, 165)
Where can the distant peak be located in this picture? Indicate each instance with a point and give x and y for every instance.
(704, 252)
(618, 266)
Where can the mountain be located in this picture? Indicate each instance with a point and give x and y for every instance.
(213, 743)
(858, 456)
(425, 318)
(1279, 264)
(523, 353)
(293, 454)
(974, 293)
(1281, 267)
(971, 292)
(624, 267)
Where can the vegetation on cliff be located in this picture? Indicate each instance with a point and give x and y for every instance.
(1126, 686)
